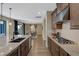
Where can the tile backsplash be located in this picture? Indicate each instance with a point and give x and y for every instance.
(71, 34)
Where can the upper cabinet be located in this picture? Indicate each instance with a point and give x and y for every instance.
(74, 15)
(61, 6)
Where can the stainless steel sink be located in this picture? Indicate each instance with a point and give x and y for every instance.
(17, 40)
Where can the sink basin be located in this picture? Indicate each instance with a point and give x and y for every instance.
(17, 40)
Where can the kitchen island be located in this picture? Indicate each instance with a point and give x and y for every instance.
(16, 48)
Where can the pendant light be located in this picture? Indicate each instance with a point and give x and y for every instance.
(1, 21)
(10, 17)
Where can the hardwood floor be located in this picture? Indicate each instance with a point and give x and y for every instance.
(38, 48)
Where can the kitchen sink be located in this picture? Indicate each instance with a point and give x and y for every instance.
(17, 40)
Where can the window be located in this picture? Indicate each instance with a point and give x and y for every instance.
(2, 28)
(19, 28)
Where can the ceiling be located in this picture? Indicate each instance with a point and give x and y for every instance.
(27, 12)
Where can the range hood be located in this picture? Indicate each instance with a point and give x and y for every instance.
(60, 16)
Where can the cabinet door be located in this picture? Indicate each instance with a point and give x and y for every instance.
(49, 44)
(74, 15)
(52, 49)
(13, 53)
(63, 53)
(55, 49)
(61, 6)
(23, 49)
(27, 46)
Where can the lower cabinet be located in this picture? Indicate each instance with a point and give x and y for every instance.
(55, 49)
(14, 52)
(49, 44)
(22, 50)
(63, 52)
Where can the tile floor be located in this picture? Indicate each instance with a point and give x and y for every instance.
(38, 48)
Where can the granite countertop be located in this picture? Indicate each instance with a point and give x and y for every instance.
(72, 49)
(5, 50)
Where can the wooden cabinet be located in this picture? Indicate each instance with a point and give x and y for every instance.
(27, 46)
(63, 53)
(55, 49)
(61, 6)
(74, 15)
(49, 44)
(14, 52)
(24, 48)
